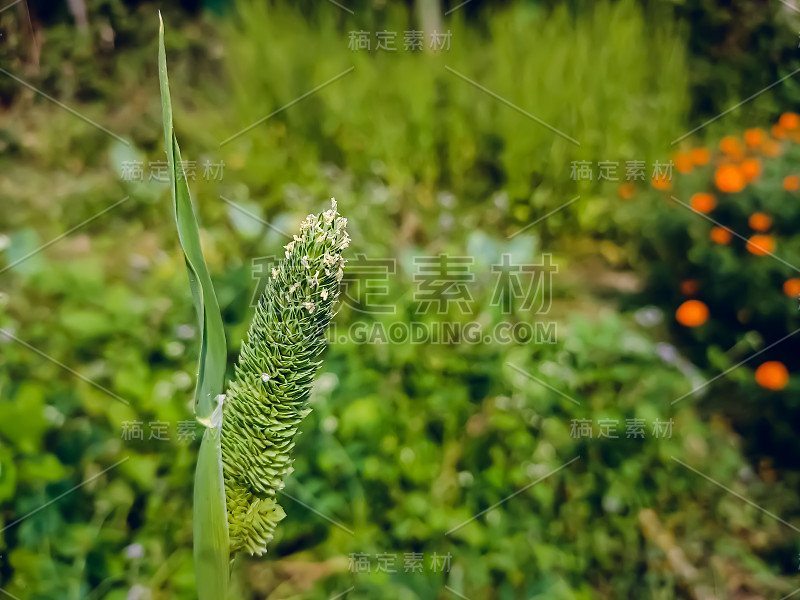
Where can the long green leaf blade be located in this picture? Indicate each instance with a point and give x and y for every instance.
(213, 351)
(211, 537)
(211, 542)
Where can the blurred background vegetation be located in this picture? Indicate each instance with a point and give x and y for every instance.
(662, 292)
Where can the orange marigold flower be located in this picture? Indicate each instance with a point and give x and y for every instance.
(778, 132)
(772, 375)
(771, 148)
(700, 156)
(703, 202)
(683, 162)
(760, 221)
(789, 121)
(729, 179)
(751, 168)
(689, 287)
(720, 235)
(761, 245)
(791, 287)
(626, 191)
(731, 146)
(662, 182)
(791, 183)
(692, 313)
(753, 137)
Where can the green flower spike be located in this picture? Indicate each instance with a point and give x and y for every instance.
(269, 394)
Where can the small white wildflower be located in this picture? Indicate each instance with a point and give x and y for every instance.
(265, 377)
(134, 551)
(138, 592)
(329, 215)
(304, 262)
(314, 281)
(274, 273)
(309, 306)
(307, 224)
(339, 274)
(290, 245)
(324, 294)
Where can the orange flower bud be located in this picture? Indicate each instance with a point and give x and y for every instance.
(772, 375)
(789, 121)
(729, 179)
(761, 245)
(720, 235)
(792, 288)
(760, 221)
(692, 313)
(703, 202)
(753, 137)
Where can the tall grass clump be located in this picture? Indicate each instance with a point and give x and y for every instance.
(411, 121)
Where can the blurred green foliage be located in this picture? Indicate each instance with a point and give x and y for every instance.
(412, 122)
(406, 441)
(738, 48)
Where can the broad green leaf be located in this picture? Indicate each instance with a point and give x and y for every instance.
(211, 539)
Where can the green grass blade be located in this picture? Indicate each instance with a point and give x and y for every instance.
(211, 543)
(211, 538)
(213, 352)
